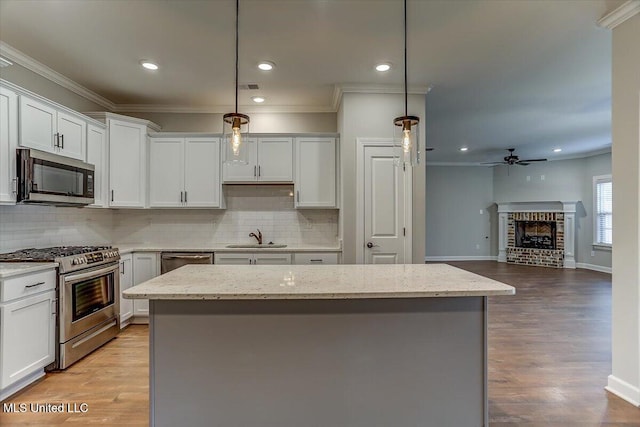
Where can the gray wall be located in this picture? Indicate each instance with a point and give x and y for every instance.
(370, 115)
(455, 196)
(34, 82)
(260, 122)
(455, 227)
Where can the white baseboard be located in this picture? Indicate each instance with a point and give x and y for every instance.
(593, 267)
(17, 386)
(461, 258)
(623, 390)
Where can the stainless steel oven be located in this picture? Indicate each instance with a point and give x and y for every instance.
(89, 309)
(88, 295)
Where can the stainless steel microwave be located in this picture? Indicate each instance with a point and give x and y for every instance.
(51, 179)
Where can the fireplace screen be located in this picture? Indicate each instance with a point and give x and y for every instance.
(536, 234)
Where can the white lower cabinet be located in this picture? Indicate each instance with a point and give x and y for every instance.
(243, 258)
(126, 281)
(27, 329)
(146, 266)
(312, 258)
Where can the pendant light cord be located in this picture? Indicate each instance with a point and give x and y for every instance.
(405, 59)
(237, 44)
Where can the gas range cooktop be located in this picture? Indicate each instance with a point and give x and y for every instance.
(70, 258)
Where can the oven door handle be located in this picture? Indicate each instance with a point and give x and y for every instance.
(90, 274)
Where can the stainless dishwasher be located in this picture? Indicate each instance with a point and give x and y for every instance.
(173, 260)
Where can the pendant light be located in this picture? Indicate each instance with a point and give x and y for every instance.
(406, 142)
(235, 126)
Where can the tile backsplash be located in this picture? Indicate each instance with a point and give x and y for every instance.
(267, 207)
(249, 207)
(29, 226)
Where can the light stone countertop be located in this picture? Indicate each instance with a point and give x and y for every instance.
(9, 269)
(346, 281)
(127, 249)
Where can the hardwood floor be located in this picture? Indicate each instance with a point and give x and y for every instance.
(549, 357)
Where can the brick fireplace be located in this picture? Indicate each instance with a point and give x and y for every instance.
(537, 233)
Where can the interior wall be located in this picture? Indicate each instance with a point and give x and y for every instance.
(260, 122)
(459, 212)
(561, 180)
(34, 82)
(369, 115)
(625, 377)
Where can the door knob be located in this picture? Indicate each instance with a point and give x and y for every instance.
(370, 245)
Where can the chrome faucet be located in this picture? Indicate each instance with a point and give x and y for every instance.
(258, 236)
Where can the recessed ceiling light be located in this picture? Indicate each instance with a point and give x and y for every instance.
(266, 65)
(149, 65)
(557, 150)
(464, 149)
(383, 67)
(258, 99)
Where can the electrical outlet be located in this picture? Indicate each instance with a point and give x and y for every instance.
(593, 253)
(528, 177)
(541, 177)
(481, 211)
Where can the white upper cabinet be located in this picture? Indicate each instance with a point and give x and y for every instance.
(8, 144)
(270, 160)
(316, 166)
(166, 172)
(43, 127)
(184, 172)
(202, 172)
(97, 155)
(127, 164)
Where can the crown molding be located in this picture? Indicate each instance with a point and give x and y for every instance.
(343, 88)
(5, 62)
(39, 68)
(620, 14)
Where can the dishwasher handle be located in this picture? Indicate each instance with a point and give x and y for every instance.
(186, 256)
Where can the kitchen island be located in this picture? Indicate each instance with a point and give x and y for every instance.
(340, 345)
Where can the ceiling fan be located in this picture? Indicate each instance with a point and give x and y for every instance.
(512, 159)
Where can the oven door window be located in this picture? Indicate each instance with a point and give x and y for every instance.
(92, 295)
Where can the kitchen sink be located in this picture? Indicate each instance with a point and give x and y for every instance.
(256, 246)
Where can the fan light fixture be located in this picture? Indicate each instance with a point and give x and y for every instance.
(407, 144)
(234, 125)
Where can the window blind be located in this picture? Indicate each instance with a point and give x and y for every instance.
(604, 212)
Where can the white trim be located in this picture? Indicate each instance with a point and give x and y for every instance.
(617, 16)
(594, 267)
(103, 116)
(624, 390)
(585, 155)
(461, 258)
(601, 247)
(12, 389)
(5, 62)
(49, 74)
(594, 208)
(340, 89)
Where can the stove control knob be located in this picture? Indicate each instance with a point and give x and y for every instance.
(75, 261)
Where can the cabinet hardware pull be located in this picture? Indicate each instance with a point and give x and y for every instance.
(122, 265)
(34, 285)
(54, 307)
(298, 196)
(185, 197)
(258, 170)
(254, 171)
(315, 260)
(57, 141)
(15, 185)
(181, 198)
(112, 195)
(62, 141)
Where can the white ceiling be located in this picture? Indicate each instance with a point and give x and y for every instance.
(527, 74)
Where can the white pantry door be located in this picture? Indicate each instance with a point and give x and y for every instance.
(384, 207)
